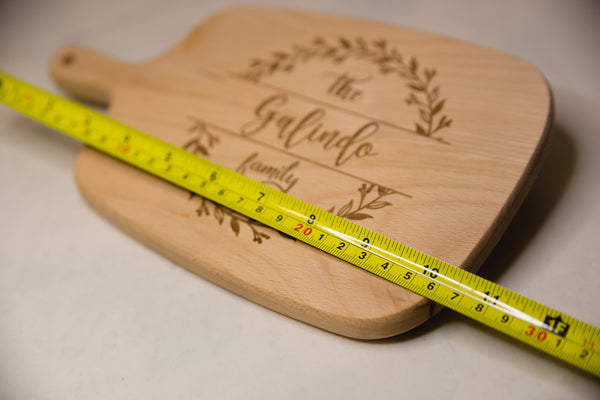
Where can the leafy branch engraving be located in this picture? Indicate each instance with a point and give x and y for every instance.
(235, 219)
(355, 212)
(424, 94)
(351, 211)
(201, 140)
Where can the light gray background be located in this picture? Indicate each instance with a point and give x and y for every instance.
(88, 313)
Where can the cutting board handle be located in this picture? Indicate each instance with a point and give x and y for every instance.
(89, 75)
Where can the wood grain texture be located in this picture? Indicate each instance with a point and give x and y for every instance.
(428, 140)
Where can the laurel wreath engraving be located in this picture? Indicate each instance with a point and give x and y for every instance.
(424, 94)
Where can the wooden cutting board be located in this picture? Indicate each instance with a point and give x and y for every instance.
(429, 140)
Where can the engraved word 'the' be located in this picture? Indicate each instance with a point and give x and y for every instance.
(345, 86)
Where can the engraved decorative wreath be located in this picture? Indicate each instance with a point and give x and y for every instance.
(424, 94)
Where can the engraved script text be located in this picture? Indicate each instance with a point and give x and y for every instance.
(280, 177)
(309, 128)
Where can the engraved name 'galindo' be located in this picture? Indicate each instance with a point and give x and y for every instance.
(309, 128)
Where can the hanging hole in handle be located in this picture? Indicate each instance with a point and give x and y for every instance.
(67, 59)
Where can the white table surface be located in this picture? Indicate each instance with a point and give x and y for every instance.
(88, 313)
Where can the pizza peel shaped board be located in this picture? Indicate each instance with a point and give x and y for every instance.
(430, 141)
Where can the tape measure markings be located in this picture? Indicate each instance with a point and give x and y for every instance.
(533, 323)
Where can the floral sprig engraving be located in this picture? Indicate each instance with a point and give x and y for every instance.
(351, 211)
(424, 94)
(235, 219)
(201, 140)
(355, 212)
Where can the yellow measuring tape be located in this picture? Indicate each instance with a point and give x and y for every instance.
(535, 324)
